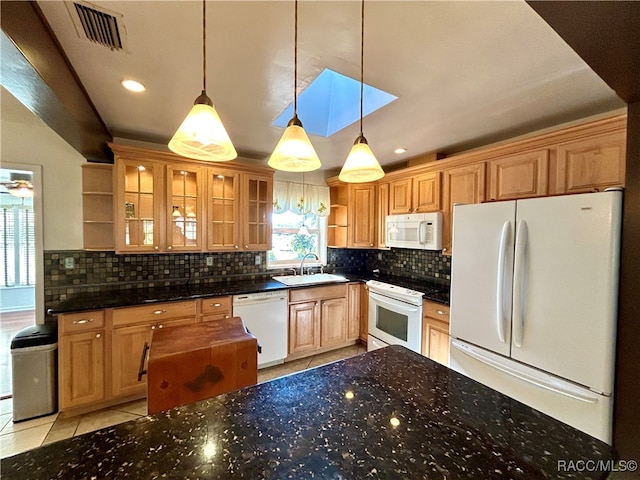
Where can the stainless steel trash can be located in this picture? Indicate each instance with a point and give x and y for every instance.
(34, 371)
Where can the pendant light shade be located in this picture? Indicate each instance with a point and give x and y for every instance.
(294, 152)
(201, 135)
(361, 164)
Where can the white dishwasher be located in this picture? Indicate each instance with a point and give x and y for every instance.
(265, 314)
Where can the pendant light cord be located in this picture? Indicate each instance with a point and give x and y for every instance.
(361, 65)
(295, 60)
(204, 45)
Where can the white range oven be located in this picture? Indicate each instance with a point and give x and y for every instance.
(395, 316)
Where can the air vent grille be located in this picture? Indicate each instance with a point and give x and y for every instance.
(99, 26)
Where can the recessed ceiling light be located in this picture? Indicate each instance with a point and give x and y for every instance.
(400, 150)
(133, 85)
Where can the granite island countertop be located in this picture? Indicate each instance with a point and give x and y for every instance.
(386, 414)
(433, 290)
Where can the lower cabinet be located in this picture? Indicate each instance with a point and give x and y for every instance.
(353, 310)
(318, 319)
(435, 332)
(81, 372)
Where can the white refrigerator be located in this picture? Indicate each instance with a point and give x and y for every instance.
(534, 294)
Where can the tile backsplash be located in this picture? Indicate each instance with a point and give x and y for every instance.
(106, 271)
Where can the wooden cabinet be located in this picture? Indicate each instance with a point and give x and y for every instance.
(426, 192)
(223, 209)
(435, 332)
(216, 308)
(184, 209)
(519, 176)
(464, 184)
(362, 216)
(132, 327)
(97, 206)
(304, 327)
(257, 205)
(416, 193)
(81, 373)
(168, 204)
(353, 310)
(139, 212)
(400, 196)
(317, 319)
(591, 164)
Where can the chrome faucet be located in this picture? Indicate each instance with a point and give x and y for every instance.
(304, 258)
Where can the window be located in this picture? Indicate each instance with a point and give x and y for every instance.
(289, 246)
(296, 206)
(18, 255)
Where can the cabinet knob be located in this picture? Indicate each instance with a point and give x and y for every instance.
(408, 209)
(246, 246)
(98, 335)
(160, 325)
(169, 247)
(236, 247)
(156, 247)
(159, 312)
(226, 316)
(371, 244)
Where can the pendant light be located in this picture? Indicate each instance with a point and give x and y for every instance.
(294, 152)
(361, 164)
(201, 135)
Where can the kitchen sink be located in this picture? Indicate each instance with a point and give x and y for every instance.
(312, 279)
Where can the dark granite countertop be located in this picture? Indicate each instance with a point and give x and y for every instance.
(386, 414)
(436, 292)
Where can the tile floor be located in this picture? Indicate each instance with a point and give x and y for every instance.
(22, 436)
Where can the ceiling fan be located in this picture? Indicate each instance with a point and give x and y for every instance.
(19, 188)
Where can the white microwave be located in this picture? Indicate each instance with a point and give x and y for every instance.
(421, 231)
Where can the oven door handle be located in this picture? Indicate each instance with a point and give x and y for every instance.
(396, 305)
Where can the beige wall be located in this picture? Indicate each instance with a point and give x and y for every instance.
(26, 140)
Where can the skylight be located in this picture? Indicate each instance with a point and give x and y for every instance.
(332, 102)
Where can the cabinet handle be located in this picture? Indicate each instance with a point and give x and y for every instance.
(216, 304)
(440, 312)
(141, 370)
(98, 335)
(158, 312)
(83, 321)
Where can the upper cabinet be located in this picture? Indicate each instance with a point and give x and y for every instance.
(97, 206)
(591, 164)
(362, 215)
(419, 193)
(464, 184)
(519, 176)
(139, 211)
(164, 203)
(353, 218)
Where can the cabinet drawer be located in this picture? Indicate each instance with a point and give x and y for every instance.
(216, 305)
(436, 310)
(81, 321)
(153, 312)
(317, 293)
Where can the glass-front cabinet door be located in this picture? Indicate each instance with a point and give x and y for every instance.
(184, 208)
(138, 211)
(223, 231)
(258, 202)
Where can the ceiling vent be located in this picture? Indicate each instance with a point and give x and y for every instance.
(98, 25)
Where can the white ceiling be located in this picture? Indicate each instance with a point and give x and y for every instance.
(465, 73)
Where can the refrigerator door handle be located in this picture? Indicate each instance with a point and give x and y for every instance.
(422, 232)
(558, 386)
(522, 235)
(502, 257)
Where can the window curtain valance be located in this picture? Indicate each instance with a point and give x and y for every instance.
(300, 198)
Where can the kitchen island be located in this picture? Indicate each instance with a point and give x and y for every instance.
(390, 413)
